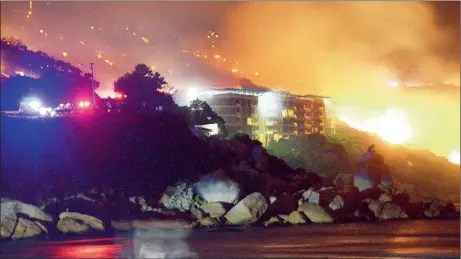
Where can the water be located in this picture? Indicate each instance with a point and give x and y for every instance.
(391, 239)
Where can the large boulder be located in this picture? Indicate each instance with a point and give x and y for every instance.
(248, 210)
(215, 209)
(376, 207)
(316, 213)
(208, 222)
(272, 221)
(285, 204)
(14, 207)
(323, 196)
(80, 203)
(432, 207)
(392, 211)
(179, 197)
(77, 223)
(20, 220)
(337, 203)
(296, 218)
(141, 201)
(218, 188)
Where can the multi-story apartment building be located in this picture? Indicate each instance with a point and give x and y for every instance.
(270, 115)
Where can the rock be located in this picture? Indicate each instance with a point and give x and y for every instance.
(343, 180)
(296, 218)
(74, 222)
(141, 201)
(70, 225)
(285, 204)
(80, 205)
(214, 209)
(392, 211)
(179, 196)
(20, 220)
(218, 188)
(401, 198)
(272, 221)
(385, 197)
(314, 197)
(197, 213)
(248, 210)
(414, 210)
(316, 213)
(272, 199)
(388, 188)
(306, 194)
(283, 218)
(27, 228)
(13, 207)
(337, 203)
(432, 207)
(208, 222)
(376, 207)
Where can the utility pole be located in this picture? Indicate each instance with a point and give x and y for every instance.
(92, 84)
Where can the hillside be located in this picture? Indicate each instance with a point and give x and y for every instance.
(420, 171)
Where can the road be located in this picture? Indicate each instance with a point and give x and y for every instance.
(392, 239)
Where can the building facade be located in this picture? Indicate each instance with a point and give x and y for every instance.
(270, 115)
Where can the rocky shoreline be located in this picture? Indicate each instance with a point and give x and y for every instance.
(215, 201)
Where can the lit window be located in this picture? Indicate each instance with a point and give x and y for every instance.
(291, 113)
(284, 113)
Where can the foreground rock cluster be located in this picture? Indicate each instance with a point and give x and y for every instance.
(213, 201)
(246, 187)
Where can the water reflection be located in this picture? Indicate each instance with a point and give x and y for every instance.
(393, 239)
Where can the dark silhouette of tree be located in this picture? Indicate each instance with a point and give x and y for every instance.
(144, 90)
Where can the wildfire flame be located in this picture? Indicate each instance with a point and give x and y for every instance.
(391, 127)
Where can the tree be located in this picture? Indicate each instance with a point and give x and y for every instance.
(144, 89)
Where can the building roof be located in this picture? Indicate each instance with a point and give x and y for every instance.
(261, 92)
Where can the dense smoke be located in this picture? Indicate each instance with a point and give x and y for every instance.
(353, 52)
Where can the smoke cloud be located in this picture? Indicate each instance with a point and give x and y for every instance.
(353, 51)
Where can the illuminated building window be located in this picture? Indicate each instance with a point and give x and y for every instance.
(291, 113)
(284, 113)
